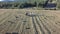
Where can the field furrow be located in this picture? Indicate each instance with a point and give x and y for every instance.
(23, 21)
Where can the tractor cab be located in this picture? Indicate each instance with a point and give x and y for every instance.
(50, 4)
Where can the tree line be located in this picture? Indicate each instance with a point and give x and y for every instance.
(19, 5)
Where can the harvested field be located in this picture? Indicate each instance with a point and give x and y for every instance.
(16, 20)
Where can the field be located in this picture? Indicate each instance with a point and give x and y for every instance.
(16, 20)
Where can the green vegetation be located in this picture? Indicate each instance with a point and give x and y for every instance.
(35, 3)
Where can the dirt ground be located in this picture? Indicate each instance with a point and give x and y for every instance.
(16, 20)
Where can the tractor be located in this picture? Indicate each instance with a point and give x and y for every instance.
(50, 4)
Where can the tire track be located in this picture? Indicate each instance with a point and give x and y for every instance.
(3, 13)
(51, 26)
(36, 32)
(5, 18)
(29, 24)
(4, 29)
(16, 27)
(47, 23)
(26, 24)
(42, 22)
(56, 26)
(12, 27)
(23, 25)
(12, 24)
(51, 22)
(43, 28)
(32, 26)
(8, 26)
(12, 15)
(24, 31)
(40, 25)
(4, 21)
(27, 29)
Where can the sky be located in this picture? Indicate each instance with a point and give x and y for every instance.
(7, 0)
(12, 0)
(1, 0)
